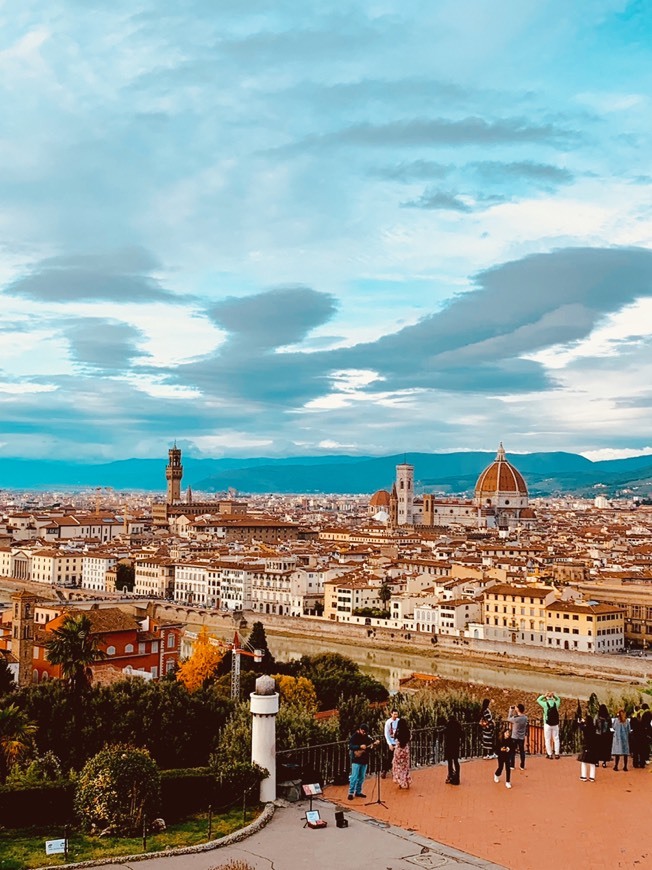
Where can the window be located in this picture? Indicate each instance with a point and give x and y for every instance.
(141, 648)
(154, 646)
(110, 650)
(129, 648)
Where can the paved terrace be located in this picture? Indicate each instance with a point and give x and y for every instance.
(549, 818)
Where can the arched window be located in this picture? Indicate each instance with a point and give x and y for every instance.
(35, 676)
(129, 648)
(110, 650)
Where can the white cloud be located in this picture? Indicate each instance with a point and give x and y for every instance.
(614, 453)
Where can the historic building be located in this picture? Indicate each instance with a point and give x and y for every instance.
(500, 501)
(501, 494)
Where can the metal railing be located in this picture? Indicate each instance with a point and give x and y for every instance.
(330, 762)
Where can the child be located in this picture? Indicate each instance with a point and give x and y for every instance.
(504, 756)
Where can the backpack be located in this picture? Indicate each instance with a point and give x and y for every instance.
(552, 715)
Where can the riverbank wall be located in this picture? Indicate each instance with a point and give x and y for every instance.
(627, 668)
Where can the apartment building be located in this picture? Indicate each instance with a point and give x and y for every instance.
(154, 577)
(516, 613)
(585, 627)
(56, 567)
(95, 566)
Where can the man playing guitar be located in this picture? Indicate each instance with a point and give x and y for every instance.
(359, 745)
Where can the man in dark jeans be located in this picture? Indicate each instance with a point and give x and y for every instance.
(359, 745)
(519, 722)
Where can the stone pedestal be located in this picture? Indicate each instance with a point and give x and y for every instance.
(264, 707)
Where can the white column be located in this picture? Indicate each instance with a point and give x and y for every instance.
(264, 707)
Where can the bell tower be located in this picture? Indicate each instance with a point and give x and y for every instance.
(22, 634)
(405, 492)
(173, 475)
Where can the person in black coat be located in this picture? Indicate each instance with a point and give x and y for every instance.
(590, 751)
(603, 735)
(452, 741)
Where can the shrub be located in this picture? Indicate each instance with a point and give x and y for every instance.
(42, 768)
(118, 788)
(237, 781)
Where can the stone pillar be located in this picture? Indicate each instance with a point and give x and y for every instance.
(264, 707)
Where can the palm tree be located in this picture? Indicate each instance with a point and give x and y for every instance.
(385, 592)
(16, 735)
(76, 650)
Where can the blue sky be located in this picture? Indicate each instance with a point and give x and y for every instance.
(363, 226)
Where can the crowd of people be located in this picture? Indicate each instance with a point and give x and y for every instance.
(605, 738)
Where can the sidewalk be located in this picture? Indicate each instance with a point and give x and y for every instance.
(284, 844)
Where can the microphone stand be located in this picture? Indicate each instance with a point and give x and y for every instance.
(378, 778)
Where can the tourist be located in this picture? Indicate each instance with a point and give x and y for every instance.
(401, 755)
(590, 752)
(487, 726)
(390, 738)
(620, 742)
(359, 745)
(452, 741)
(550, 702)
(519, 722)
(637, 738)
(504, 756)
(646, 733)
(603, 733)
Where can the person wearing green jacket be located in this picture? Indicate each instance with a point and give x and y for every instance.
(549, 703)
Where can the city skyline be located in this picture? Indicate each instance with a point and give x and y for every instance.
(266, 229)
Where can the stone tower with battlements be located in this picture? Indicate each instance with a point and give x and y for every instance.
(173, 475)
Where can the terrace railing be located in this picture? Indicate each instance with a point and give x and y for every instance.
(330, 762)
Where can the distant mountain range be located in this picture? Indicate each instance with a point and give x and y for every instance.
(545, 474)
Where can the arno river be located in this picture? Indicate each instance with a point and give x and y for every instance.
(388, 667)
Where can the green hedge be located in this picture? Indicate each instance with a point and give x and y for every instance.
(183, 792)
(47, 803)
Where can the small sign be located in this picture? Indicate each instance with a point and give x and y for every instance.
(55, 847)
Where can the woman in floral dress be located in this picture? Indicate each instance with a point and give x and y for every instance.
(401, 759)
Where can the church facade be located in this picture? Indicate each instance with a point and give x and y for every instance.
(500, 501)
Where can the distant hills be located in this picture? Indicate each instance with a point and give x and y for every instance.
(450, 473)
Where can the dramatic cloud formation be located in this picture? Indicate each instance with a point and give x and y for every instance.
(291, 227)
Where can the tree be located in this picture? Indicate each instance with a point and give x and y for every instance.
(334, 676)
(118, 788)
(7, 683)
(125, 577)
(385, 592)
(75, 649)
(202, 666)
(258, 640)
(298, 691)
(16, 738)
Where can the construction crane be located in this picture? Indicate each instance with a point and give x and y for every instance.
(237, 651)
